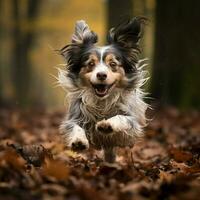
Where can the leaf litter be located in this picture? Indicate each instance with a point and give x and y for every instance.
(35, 164)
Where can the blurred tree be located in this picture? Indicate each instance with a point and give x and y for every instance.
(1, 30)
(117, 10)
(176, 69)
(23, 37)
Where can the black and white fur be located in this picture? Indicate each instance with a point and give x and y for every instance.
(104, 118)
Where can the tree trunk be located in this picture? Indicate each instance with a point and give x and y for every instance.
(1, 71)
(176, 69)
(118, 10)
(23, 41)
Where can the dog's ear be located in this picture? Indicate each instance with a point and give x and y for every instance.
(83, 34)
(82, 37)
(128, 33)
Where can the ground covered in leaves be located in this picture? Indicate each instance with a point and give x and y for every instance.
(34, 164)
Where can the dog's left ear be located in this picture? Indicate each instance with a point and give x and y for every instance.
(127, 34)
(82, 37)
(83, 34)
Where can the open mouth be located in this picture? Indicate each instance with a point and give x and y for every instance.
(102, 90)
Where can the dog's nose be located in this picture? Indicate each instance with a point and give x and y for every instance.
(101, 76)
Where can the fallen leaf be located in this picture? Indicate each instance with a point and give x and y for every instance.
(56, 169)
(179, 155)
(11, 158)
(33, 154)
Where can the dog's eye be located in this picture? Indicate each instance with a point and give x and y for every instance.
(113, 64)
(91, 64)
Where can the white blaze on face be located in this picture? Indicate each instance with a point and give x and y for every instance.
(101, 67)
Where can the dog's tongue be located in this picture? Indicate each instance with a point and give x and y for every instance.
(101, 90)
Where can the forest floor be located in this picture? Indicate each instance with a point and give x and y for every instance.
(34, 164)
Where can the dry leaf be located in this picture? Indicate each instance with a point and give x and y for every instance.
(33, 154)
(180, 156)
(56, 169)
(11, 158)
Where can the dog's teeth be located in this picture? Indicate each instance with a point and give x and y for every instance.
(104, 91)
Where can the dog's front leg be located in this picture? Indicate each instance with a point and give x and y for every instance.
(119, 123)
(74, 136)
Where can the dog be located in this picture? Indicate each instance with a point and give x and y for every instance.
(103, 85)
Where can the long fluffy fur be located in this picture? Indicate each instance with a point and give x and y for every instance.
(125, 106)
(87, 110)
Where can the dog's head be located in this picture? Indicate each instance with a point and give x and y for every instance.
(104, 70)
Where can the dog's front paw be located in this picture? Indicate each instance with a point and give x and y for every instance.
(79, 144)
(104, 126)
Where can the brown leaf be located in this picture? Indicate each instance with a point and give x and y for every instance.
(86, 191)
(56, 169)
(180, 156)
(166, 176)
(11, 158)
(185, 169)
(33, 154)
(55, 188)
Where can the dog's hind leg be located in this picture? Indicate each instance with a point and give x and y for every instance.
(109, 154)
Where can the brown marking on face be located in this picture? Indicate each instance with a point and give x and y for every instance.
(112, 62)
(116, 72)
(91, 62)
(86, 71)
(117, 68)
